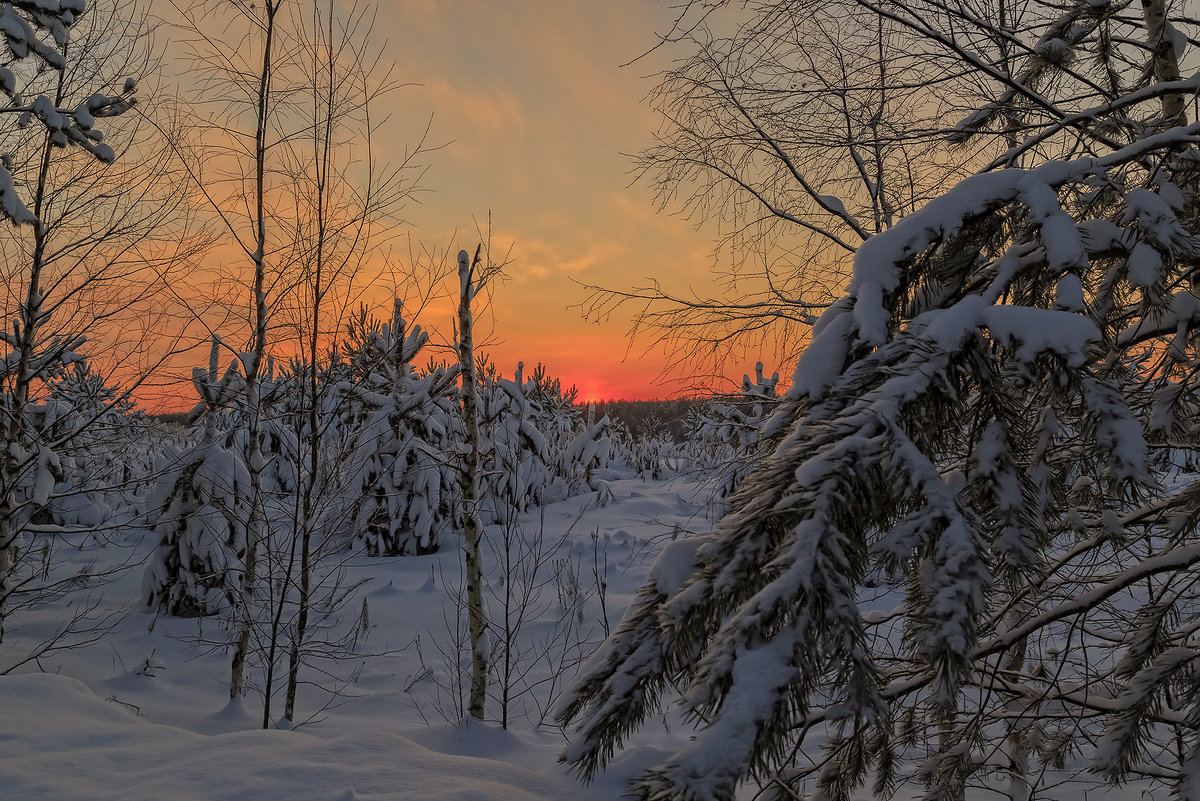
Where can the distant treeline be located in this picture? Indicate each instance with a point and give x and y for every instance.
(646, 417)
(641, 417)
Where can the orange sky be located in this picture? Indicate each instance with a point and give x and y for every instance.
(531, 96)
(533, 112)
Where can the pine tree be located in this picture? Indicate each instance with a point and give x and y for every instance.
(975, 509)
(517, 466)
(199, 508)
(404, 423)
(727, 435)
(589, 451)
(103, 444)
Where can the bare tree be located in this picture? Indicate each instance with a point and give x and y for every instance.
(284, 157)
(800, 128)
(794, 129)
(241, 86)
(110, 226)
(347, 204)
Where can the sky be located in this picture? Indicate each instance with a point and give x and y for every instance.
(530, 111)
(536, 112)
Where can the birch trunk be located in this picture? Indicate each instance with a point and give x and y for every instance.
(253, 365)
(472, 528)
(1165, 59)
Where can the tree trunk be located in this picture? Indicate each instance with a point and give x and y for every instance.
(256, 526)
(11, 460)
(323, 112)
(1165, 59)
(472, 528)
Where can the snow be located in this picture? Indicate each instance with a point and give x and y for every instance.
(674, 565)
(143, 712)
(774, 621)
(863, 317)
(73, 745)
(822, 361)
(1154, 218)
(10, 202)
(1033, 332)
(1145, 265)
(1070, 293)
(877, 261)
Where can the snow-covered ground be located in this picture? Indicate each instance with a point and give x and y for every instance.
(142, 712)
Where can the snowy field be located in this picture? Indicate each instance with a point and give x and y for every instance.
(142, 712)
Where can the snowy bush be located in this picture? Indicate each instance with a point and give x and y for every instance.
(199, 508)
(106, 455)
(31, 461)
(537, 449)
(650, 453)
(518, 469)
(589, 451)
(726, 435)
(404, 423)
(558, 413)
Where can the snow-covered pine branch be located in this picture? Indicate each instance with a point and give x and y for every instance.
(966, 415)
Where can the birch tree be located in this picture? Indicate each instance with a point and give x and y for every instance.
(475, 276)
(477, 620)
(286, 160)
(83, 258)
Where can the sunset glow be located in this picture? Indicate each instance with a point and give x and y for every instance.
(529, 121)
(537, 112)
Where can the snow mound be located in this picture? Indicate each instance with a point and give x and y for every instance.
(63, 743)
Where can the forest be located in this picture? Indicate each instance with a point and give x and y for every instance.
(952, 553)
